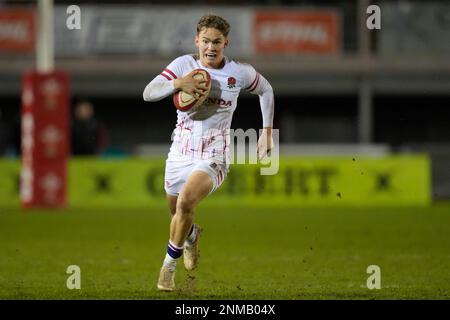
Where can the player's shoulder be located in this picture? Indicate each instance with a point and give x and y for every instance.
(243, 70)
(238, 64)
(182, 65)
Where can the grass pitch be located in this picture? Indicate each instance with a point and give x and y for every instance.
(246, 253)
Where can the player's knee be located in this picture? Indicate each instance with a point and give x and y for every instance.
(185, 206)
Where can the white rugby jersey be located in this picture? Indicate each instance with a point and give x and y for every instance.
(204, 133)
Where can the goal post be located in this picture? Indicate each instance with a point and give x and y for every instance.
(45, 122)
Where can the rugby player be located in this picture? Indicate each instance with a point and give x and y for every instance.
(199, 157)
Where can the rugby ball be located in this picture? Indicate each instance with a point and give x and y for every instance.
(184, 101)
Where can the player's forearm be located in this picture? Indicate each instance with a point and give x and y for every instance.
(266, 101)
(157, 90)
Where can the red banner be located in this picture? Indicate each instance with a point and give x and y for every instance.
(45, 139)
(296, 32)
(17, 30)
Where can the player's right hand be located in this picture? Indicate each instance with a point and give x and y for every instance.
(190, 85)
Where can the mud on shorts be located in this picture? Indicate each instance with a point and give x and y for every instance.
(177, 173)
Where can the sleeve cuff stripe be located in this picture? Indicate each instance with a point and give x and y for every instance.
(171, 73)
(256, 84)
(256, 78)
(165, 76)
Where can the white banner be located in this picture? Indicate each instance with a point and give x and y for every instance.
(155, 30)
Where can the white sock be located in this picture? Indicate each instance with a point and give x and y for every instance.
(170, 262)
(173, 253)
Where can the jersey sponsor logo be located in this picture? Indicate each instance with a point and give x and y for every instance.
(220, 102)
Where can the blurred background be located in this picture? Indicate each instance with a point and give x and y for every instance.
(341, 89)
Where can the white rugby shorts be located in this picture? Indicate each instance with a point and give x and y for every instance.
(178, 171)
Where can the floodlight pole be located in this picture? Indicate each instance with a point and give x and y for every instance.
(45, 56)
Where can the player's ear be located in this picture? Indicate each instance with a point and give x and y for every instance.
(196, 41)
(226, 43)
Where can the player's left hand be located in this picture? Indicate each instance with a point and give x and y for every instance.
(265, 143)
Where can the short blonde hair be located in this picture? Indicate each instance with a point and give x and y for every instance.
(212, 21)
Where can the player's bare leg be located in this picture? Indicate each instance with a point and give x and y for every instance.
(172, 201)
(197, 187)
(191, 252)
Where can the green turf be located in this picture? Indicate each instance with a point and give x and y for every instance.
(247, 253)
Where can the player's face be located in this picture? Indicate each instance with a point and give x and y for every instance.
(211, 44)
